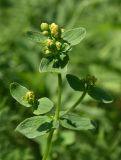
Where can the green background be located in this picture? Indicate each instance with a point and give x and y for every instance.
(99, 54)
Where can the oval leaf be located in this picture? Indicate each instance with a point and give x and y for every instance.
(18, 92)
(35, 36)
(44, 106)
(75, 83)
(52, 66)
(100, 94)
(35, 126)
(74, 36)
(76, 122)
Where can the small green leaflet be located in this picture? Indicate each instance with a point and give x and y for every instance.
(76, 122)
(100, 95)
(75, 83)
(49, 65)
(35, 126)
(37, 37)
(18, 92)
(74, 36)
(44, 106)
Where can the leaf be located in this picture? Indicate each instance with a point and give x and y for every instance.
(76, 122)
(53, 65)
(18, 92)
(75, 83)
(44, 106)
(35, 126)
(35, 36)
(74, 36)
(100, 94)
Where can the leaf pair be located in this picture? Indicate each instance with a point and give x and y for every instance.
(40, 106)
(39, 125)
(72, 36)
(95, 92)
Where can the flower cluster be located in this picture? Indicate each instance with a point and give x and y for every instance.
(30, 97)
(89, 80)
(54, 44)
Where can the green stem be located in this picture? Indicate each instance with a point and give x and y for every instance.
(59, 97)
(76, 103)
(48, 145)
(56, 117)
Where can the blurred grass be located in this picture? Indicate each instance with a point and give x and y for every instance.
(99, 54)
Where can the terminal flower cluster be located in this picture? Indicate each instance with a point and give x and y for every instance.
(54, 45)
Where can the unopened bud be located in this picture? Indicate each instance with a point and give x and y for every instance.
(90, 80)
(55, 30)
(47, 52)
(53, 25)
(44, 27)
(45, 33)
(50, 42)
(94, 79)
(58, 45)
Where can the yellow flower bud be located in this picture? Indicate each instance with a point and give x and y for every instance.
(30, 97)
(50, 42)
(45, 33)
(47, 51)
(44, 27)
(53, 25)
(58, 45)
(55, 30)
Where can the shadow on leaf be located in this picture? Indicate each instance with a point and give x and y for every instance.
(47, 126)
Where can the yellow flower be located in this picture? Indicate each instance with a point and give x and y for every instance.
(50, 42)
(55, 30)
(30, 97)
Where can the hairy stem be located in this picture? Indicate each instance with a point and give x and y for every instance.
(56, 117)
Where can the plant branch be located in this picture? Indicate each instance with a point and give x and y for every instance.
(56, 117)
(48, 145)
(76, 103)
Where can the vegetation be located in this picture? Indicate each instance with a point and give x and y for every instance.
(98, 54)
